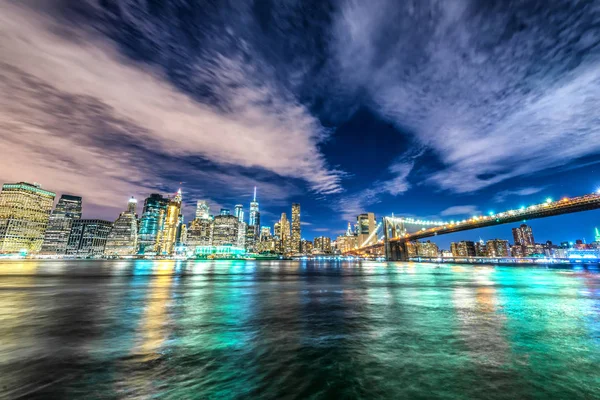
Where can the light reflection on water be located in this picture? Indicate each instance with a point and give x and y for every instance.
(273, 329)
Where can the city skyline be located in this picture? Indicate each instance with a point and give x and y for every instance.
(247, 111)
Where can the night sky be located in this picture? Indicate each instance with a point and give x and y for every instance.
(437, 109)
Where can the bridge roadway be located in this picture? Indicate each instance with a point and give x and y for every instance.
(395, 247)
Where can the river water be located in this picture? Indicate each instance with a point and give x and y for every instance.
(287, 329)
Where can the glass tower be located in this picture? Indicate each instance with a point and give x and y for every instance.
(168, 234)
(155, 210)
(66, 211)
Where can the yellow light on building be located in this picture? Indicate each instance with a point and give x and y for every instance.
(24, 213)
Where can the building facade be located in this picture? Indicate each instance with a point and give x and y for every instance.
(88, 237)
(24, 214)
(167, 236)
(465, 248)
(365, 225)
(497, 248)
(123, 237)
(225, 230)
(284, 232)
(296, 231)
(151, 223)
(199, 233)
(67, 210)
(322, 244)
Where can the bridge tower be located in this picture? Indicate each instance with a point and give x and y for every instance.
(394, 250)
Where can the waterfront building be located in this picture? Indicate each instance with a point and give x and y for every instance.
(464, 248)
(366, 226)
(123, 237)
(497, 248)
(88, 237)
(306, 246)
(428, 249)
(152, 222)
(322, 244)
(202, 210)
(252, 243)
(238, 211)
(480, 250)
(284, 228)
(295, 238)
(516, 250)
(412, 249)
(199, 233)
(254, 219)
(57, 234)
(225, 230)
(523, 235)
(167, 236)
(24, 214)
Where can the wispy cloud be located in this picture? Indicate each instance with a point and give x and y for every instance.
(91, 121)
(460, 210)
(482, 85)
(501, 196)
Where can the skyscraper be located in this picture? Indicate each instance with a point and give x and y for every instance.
(225, 211)
(239, 212)
(254, 219)
(199, 233)
(295, 242)
(168, 234)
(153, 218)
(24, 214)
(202, 210)
(366, 226)
(523, 235)
(88, 237)
(57, 234)
(322, 244)
(284, 231)
(597, 235)
(123, 237)
(497, 248)
(225, 230)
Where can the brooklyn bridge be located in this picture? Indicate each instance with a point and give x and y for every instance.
(392, 234)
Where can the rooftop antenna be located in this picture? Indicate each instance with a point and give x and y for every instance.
(254, 194)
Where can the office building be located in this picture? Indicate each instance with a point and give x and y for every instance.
(202, 210)
(225, 211)
(225, 230)
(480, 250)
(322, 244)
(295, 237)
(199, 233)
(284, 232)
(497, 248)
(88, 237)
(306, 246)
(523, 235)
(167, 236)
(24, 214)
(465, 248)
(238, 211)
(427, 249)
(123, 237)
(152, 221)
(366, 226)
(57, 234)
(254, 219)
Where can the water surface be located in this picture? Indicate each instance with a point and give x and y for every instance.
(285, 329)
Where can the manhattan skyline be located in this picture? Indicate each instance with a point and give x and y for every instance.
(470, 109)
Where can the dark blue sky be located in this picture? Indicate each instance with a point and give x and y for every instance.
(423, 108)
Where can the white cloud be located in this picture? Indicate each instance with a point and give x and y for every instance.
(64, 149)
(501, 196)
(495, 93)
(460, 210)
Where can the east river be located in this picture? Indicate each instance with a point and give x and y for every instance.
(287, 329)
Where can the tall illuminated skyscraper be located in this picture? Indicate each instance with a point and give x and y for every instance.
(284, 227)
(523, 235)
(295, 242)
(239, 212)
(366, 226)
(123, 237)
(153, 218)
(254, 215)
(66, 211)
(168, 234)
(202, 210)
(24, 213)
